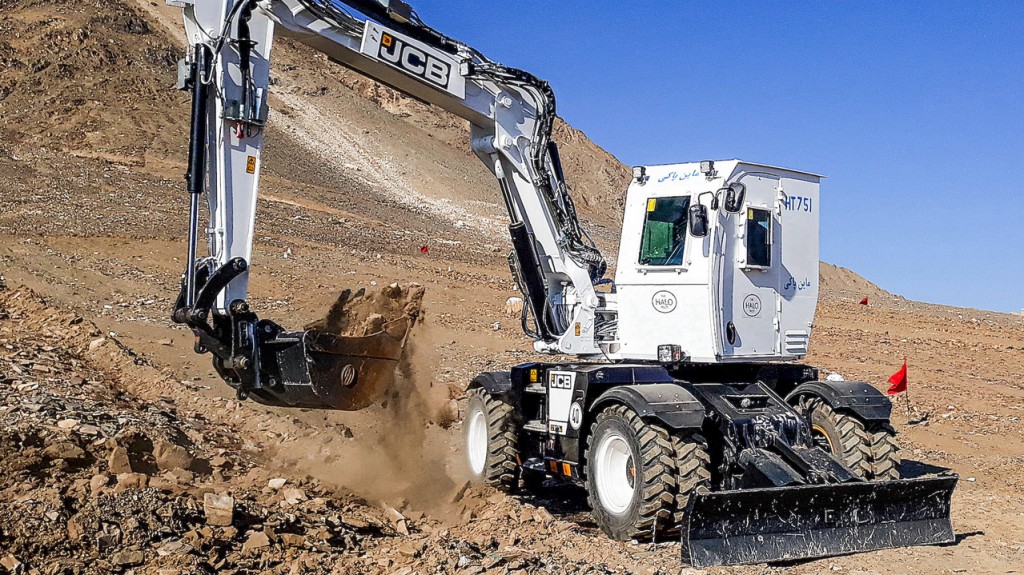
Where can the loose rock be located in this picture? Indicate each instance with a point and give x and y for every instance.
(219, 509)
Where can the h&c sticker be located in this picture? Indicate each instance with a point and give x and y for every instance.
(250, 165)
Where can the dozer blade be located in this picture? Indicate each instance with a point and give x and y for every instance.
(806, 522)
(322, 370)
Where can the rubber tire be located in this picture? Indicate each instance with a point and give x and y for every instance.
(868, 450)
(654, 495)
(501, 466)
(693, 471)
(885, 453)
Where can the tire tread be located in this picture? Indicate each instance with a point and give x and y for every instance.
(501, 467)
(659, 489)
(693, 471)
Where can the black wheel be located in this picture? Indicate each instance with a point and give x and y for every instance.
(885, 453)
(491, 440)
(868, 450)
(693, 470)
(631, 475)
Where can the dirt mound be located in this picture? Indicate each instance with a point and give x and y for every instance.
(96, 480)
(89, 78)
(839, 283)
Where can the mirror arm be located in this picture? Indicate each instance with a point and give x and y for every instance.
(714, 199)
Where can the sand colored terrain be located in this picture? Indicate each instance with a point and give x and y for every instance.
(358, 179)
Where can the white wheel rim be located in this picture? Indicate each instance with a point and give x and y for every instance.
(615, 473)
(476, 438)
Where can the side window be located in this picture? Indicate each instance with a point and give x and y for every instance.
(664, 232)
(759, 237)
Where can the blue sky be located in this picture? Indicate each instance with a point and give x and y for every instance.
(915, 111)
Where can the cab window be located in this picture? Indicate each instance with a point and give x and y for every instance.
(664, 232)
(759, 238)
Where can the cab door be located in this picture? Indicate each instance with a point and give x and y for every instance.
(750, 277)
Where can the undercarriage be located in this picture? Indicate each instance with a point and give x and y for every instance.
(778, 468)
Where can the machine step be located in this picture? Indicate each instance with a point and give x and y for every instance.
(535, 426)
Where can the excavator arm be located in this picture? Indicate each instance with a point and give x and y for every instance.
(511, 114)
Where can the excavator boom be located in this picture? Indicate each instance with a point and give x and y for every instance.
(510, 112)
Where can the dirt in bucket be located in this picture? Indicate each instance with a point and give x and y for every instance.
(362, 314)
(354, 353)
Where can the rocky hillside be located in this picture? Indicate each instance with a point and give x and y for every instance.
(95, 79)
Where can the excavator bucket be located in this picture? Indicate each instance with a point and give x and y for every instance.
(322, 368)
(807, 522)
(327, 371)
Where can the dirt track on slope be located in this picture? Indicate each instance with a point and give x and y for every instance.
(91, 232)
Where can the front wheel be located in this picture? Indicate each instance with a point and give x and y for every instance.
(491, 440)
(631, 475)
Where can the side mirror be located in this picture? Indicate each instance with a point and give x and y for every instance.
(735, 194)
(698, 220)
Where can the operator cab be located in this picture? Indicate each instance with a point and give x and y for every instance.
(719, 262)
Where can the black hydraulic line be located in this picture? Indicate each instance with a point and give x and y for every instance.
(556, 160)
(420, 32)
(196, 175)
(245, 46)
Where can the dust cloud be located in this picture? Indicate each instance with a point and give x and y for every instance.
(398, 450)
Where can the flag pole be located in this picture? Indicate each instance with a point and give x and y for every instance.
(906, 394)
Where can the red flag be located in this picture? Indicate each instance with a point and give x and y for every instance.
(425, 250)
(864, 301)
(898, 381)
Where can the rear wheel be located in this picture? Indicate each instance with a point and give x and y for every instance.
(631, 475)
(491, 440)
(869, 450)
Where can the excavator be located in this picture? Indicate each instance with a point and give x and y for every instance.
(674, 396)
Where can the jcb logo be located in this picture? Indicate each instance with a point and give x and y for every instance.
(413, 60)
(561, 381)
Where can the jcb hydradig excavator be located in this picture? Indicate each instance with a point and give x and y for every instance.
(684, 407)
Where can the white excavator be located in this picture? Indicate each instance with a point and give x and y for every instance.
(674, 394)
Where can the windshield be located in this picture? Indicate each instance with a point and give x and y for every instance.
(664, 231)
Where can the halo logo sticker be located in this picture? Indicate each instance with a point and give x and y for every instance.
(664, 302)
(576, 415)
(752, 306)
